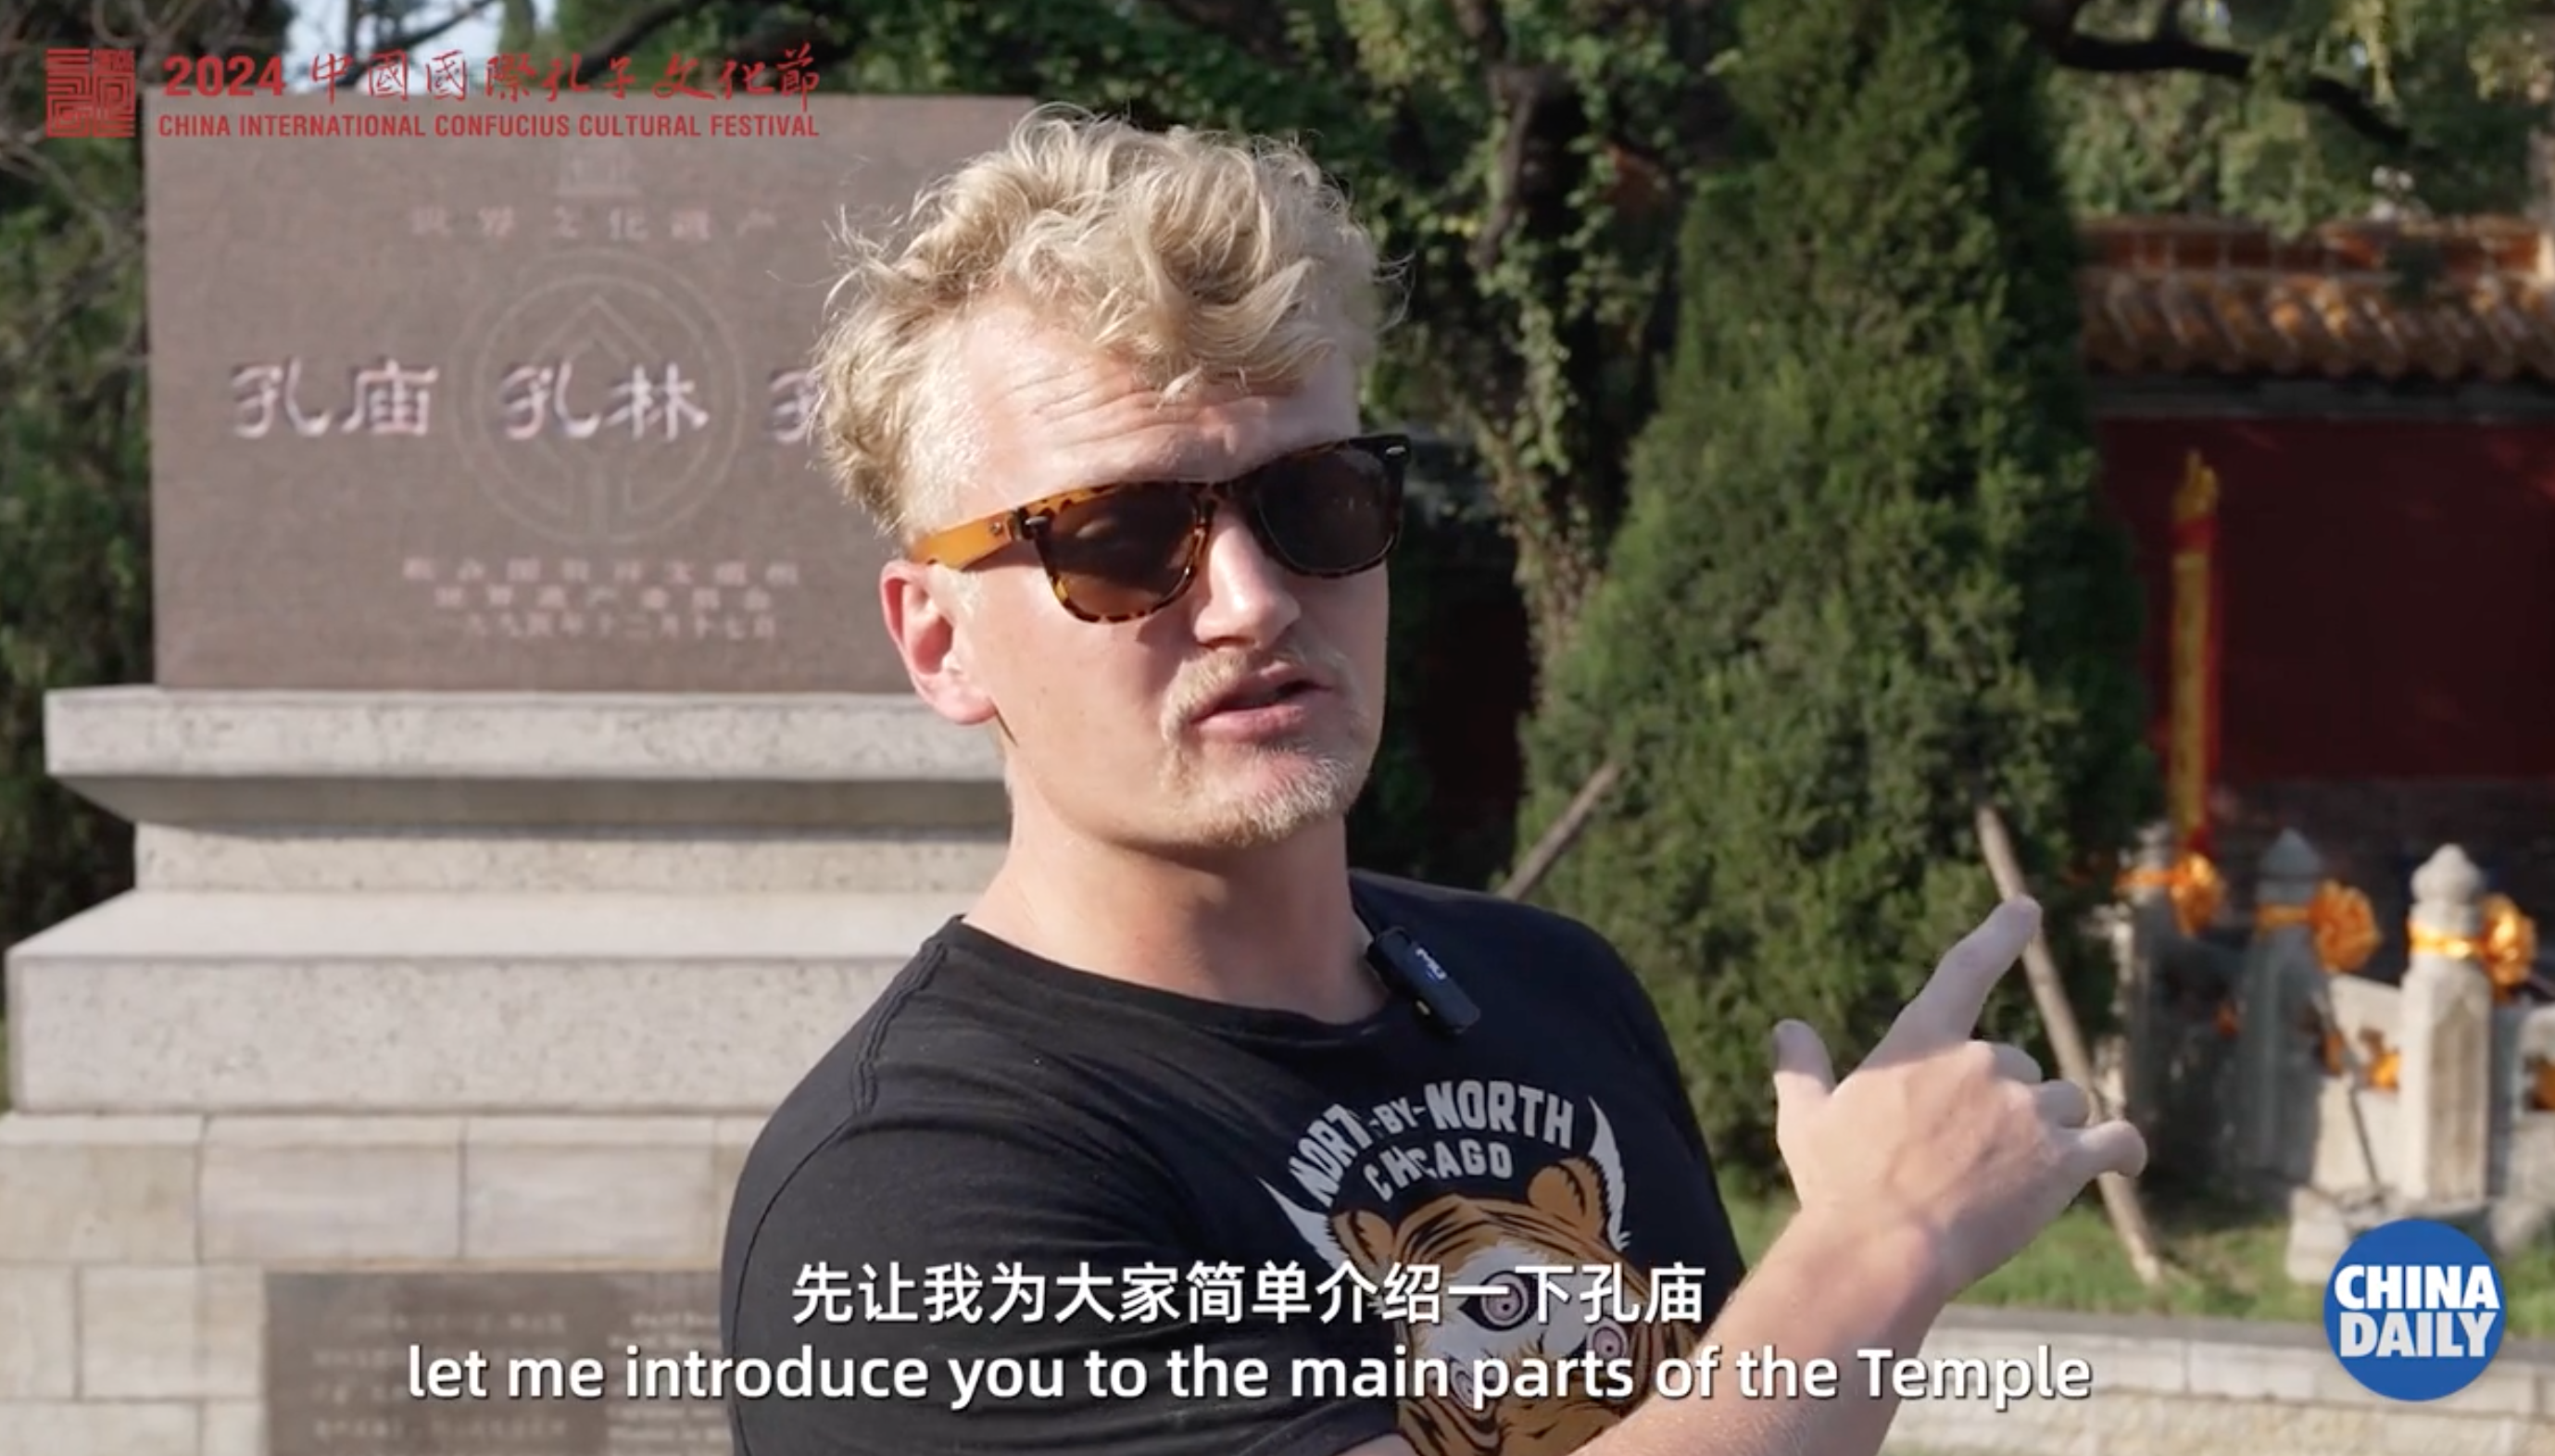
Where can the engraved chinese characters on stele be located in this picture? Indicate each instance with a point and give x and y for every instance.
(340, 1347)
(515, 413)
(644, 440)
(386, 397)
(1488, 1218)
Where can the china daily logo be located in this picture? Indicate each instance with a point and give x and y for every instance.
(2414, 1311)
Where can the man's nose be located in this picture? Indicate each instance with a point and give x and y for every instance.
(1244, 596)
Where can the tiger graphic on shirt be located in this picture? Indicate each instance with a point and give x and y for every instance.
(1518, 1246)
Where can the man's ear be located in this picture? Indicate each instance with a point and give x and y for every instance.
(928, 629)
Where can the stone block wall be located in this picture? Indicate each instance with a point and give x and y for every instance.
(445, 986)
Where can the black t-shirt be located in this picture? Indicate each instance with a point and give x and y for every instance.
(1009, 1167)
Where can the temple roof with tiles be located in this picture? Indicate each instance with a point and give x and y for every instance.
(2182, 297)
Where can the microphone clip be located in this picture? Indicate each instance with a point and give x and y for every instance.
(1406, 968)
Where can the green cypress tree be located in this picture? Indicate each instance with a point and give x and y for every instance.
(1865, 576)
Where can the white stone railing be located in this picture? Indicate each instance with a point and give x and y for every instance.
(2358, 1097)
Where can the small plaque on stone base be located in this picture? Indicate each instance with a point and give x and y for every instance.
(345, 1349)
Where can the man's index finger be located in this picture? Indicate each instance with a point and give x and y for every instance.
(1947, 1009)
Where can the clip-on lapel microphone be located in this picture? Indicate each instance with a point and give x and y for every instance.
(1408, 969)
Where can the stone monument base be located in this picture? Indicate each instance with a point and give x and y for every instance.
(442, 1023)
(170, 1279)
(2323, 1225)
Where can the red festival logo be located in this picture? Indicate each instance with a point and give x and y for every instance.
(88, 93)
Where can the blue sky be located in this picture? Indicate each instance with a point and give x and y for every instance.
(318, 26)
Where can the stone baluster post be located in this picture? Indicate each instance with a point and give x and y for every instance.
(2505, 1093)
(2445, 1039)
(2279, 1041)
(2147, 929)
(2523, 1179)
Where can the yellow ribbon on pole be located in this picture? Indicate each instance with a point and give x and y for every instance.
(2384, 1061)
(2339, 919)
(2506, 950)
(2382, 1070)
(2193, 885)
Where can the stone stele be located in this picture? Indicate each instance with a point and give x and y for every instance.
(513, 411)
(529, 796)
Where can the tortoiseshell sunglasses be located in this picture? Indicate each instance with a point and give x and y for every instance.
(1124, 552)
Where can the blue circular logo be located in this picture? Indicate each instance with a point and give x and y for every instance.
(2414, 1311)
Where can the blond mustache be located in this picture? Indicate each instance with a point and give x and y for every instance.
(1203, 683)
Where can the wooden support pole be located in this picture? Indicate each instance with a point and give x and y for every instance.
(1556, 840)
(2119, 1194)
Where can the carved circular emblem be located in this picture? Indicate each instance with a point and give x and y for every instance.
(608, 399)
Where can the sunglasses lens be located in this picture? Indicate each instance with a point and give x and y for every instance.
(1333, 514)
(1123, 555)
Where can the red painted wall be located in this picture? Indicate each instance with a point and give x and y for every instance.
(2388, 591)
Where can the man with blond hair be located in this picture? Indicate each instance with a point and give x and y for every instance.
(1186, 1138)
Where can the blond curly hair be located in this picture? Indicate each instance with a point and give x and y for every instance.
(1198, 258)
